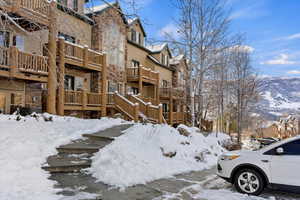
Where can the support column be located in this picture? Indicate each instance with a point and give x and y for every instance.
(160, 114)
(136, 112)
(140, 81)
(52, 73)
(13, 61)
(61, 78)
(171, 106)
(104, 86)
(157, 91)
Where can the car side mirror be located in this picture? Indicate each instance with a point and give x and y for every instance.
(279, 151)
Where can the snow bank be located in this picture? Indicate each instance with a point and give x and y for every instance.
(25, 145)
(137, 156)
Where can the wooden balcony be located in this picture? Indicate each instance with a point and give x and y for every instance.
(80, 56)
(177, 117)
(36, 11)
(135, 74)
(82, 100)
(175, 93)
(23, 65)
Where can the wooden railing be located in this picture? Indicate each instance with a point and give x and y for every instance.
(133, 72)
(147, 73)
(39, 6)
(82, 54)
(4, 56)
(130, 109)
(142, 104)
(19, 61)
(110, 98)
(155, 113)
(175, 92)
(149, 100)
(32, 63)
(142, 72)
(178, 117)
(73, 97)
(94, 99)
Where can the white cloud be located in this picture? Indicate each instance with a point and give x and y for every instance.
(170, 30)
(282, 59)
(251, 11)
(243, 48)
(289, 37)
(294, 72)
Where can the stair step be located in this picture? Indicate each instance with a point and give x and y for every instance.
(67, 162)
(80, 148)
(98, 137)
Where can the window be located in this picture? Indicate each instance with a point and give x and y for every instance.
(162, 58)
(135, 91)
(120, 88)
(165, 107)
(69, 82)
(166, 60)
(18, 41)
(164, 84)
(291, 148)
(135, 63)
(4, 38)
(133, 35)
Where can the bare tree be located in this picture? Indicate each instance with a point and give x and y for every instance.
(202, 32)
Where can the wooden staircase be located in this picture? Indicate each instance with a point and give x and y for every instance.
(135, 109)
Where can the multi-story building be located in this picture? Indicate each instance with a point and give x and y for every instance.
(66, 59)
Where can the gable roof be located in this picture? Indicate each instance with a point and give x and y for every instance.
(159, 48)
(176, 59)
(136, 19)
(96, 10)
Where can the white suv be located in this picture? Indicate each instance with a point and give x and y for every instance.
(276, 166)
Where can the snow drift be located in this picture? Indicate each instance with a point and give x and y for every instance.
(25, 145)
(149, 152)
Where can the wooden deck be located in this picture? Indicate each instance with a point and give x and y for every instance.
(175, 93)
(146, 75)
(82, 100)
(36, 11)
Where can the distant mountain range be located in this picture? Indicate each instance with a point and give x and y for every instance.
(279, 96)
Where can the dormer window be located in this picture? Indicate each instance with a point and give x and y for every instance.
(133, 35)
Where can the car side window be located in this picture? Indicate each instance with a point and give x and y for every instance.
(291, 148)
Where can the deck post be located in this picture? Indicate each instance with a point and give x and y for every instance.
(160, 114)
(171, 106)
(52, 74)
(104, 86)
(157, 90)
(13, 61)
(136, 112)
(84, 99)
(85, 56)
(61, 78)
(140, 81)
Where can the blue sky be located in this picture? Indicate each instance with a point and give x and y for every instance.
(272, 29)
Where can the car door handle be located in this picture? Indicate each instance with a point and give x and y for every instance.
(265, 161)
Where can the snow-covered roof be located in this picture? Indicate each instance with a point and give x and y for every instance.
(98, 8)
(157, 48)
(176, 59)
(130, 21)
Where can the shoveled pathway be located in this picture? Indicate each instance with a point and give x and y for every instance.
(67, 169)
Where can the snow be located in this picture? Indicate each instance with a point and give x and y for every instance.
(176, 60)
(137, 157)
(25, 145)
(157, 48)
(280, 102)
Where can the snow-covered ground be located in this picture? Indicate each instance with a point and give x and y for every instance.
(149, 152)
(25, 145)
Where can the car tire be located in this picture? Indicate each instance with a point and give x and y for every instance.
(249, 181)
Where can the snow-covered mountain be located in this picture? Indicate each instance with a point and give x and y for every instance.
(279, 96)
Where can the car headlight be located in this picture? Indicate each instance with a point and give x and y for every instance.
(229, 157)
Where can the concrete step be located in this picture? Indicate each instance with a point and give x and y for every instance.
(98, 137)
(113, 132)
(79, 148)
(65, 163)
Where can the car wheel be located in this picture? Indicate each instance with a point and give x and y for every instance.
(249, 181)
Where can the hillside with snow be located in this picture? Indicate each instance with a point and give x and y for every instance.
(279, 96)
